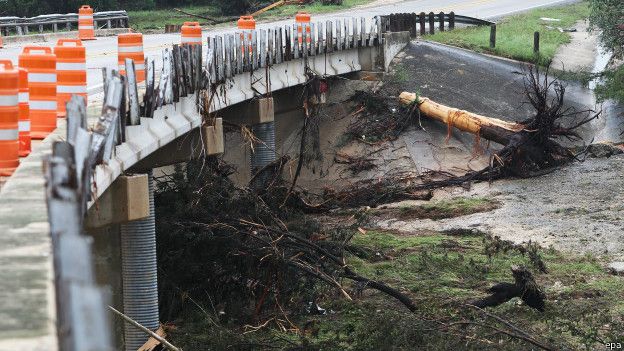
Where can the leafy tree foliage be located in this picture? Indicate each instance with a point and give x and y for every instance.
(607, 16)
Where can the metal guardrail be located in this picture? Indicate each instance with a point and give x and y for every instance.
(55, 22)
(426, 23)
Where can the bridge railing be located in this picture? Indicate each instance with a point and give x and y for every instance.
(58, 22)
(252, 50)
(426, 23)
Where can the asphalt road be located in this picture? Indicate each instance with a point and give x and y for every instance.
(103, 51)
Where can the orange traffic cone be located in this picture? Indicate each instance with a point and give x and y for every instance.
(130, 45)
(71, 72)
(41, 65)
(9, 115)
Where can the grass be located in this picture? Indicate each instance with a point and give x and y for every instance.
(514, 34)
(455, 207)
(315, 8)
(157, 19)
(440, 272)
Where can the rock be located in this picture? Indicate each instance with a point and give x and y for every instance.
(616, 268)
(600, 150)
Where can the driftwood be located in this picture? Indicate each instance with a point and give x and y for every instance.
(489, 128)
(524, 287)
(531, 147)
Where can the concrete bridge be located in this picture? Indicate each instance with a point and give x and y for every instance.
(236, 76)
(83, 220)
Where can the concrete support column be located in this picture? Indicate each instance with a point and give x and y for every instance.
(139, 274)
(263, 127)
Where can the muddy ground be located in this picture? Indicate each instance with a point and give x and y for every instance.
(576, 208)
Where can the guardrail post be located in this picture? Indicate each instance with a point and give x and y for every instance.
(422, 20)
(536, 42)
(451, 20)
(431, 23)
(413, 19)
(441, 20)
(493, 35)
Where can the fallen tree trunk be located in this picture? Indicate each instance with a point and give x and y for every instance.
(492, 129)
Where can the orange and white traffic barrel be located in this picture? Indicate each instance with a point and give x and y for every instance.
(130, 45)
(40, 63)
(191, 33)
(23, 122)
(86, 29)
(247, 24)
(9, 115)
(71, 72)
(302, 20)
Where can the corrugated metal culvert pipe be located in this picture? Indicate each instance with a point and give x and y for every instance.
(139, 274)
(264, 153)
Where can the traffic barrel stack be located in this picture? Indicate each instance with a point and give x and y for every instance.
(24, 114)
(71, 70)
(302, 20)
(40, 63)
(130, 45)
(9, 115)
(86, 29)
(247, 24)
(191, 33)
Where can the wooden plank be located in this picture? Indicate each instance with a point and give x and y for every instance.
(312, 39)
(238, 37)
(329, 37)
(279, 46)
(219, 61)
(228, 58)
(270, 47)
(363, 32)
(339, 40)
(246, 53)
(148, 98)
(319, 38)
(133, 93)
(296, 46)
(262, 51)
(199, 73)
(288, 43)
(76, 118)
(254, 50)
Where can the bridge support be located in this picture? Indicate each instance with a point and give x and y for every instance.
(139, 274)
(263, 127)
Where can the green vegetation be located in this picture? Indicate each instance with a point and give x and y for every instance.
(514, 35)
(440, 272)
(606, 17)
(612, 86)
(156, 19)
(454, 207)
(314, 8)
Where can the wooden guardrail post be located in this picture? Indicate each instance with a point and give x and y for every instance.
(536, 42)
(493, 35)
(431, 23)
(422, 20)
(451, 20)
(441, 21)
